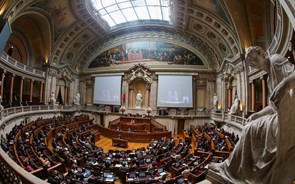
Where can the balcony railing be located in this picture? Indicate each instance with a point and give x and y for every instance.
(19, 66)
(233, 120)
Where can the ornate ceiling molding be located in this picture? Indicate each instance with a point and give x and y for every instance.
(207, 36)
(67, 46)
(198, 21)
(97, 24)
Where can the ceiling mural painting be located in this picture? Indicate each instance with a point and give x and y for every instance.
(213, 6)
(208, 56)
(61, 14)
(146, 51)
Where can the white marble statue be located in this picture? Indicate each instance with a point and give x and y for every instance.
(215, 102)
(77, 98)
(52, 99)
(265, 152)
(235, 106)
(138, 99)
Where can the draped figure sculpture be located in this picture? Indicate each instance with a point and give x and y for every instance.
(52, 99)
(138, 99)
(235, 106)
(77, 98)
(215, 102)
(265, 152)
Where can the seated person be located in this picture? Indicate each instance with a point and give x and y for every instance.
(45, 162)
(53, 177)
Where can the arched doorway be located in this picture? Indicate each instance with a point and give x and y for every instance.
(60, 91)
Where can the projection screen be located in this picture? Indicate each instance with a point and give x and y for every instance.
(175, 91)
(107, 90)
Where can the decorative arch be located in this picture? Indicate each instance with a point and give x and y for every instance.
(37, 29)
(187, 41)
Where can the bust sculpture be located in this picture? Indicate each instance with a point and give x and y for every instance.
(265, 152)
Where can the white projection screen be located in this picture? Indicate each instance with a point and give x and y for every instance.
(175, 91)
(107, 90)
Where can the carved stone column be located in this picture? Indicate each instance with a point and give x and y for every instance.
(11, 87)
(2, 81)
(89, 91)
(210, 89)
(131, 94)
(66, 94)
(21, 90)
(153, 93)
(41, 91)
(125, 91)
(252, 96)
(229, 98)
(264, 95)
(31, 90)
(201, 95)
(147, 95)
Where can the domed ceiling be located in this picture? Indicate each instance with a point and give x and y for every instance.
(210, 31)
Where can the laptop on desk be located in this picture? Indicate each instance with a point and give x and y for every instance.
(109, 178)
(87, 173)
(161, 171)
(141, 174)
(79, 170)
(130, 179)
(131, 176)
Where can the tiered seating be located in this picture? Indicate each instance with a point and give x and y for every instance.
(68, 145)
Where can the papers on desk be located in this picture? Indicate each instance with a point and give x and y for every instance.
(130, 179)
(118, 165)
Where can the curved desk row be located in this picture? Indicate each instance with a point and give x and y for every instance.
(133, 136)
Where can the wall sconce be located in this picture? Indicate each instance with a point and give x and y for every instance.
(219, 106)
(241, 106)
